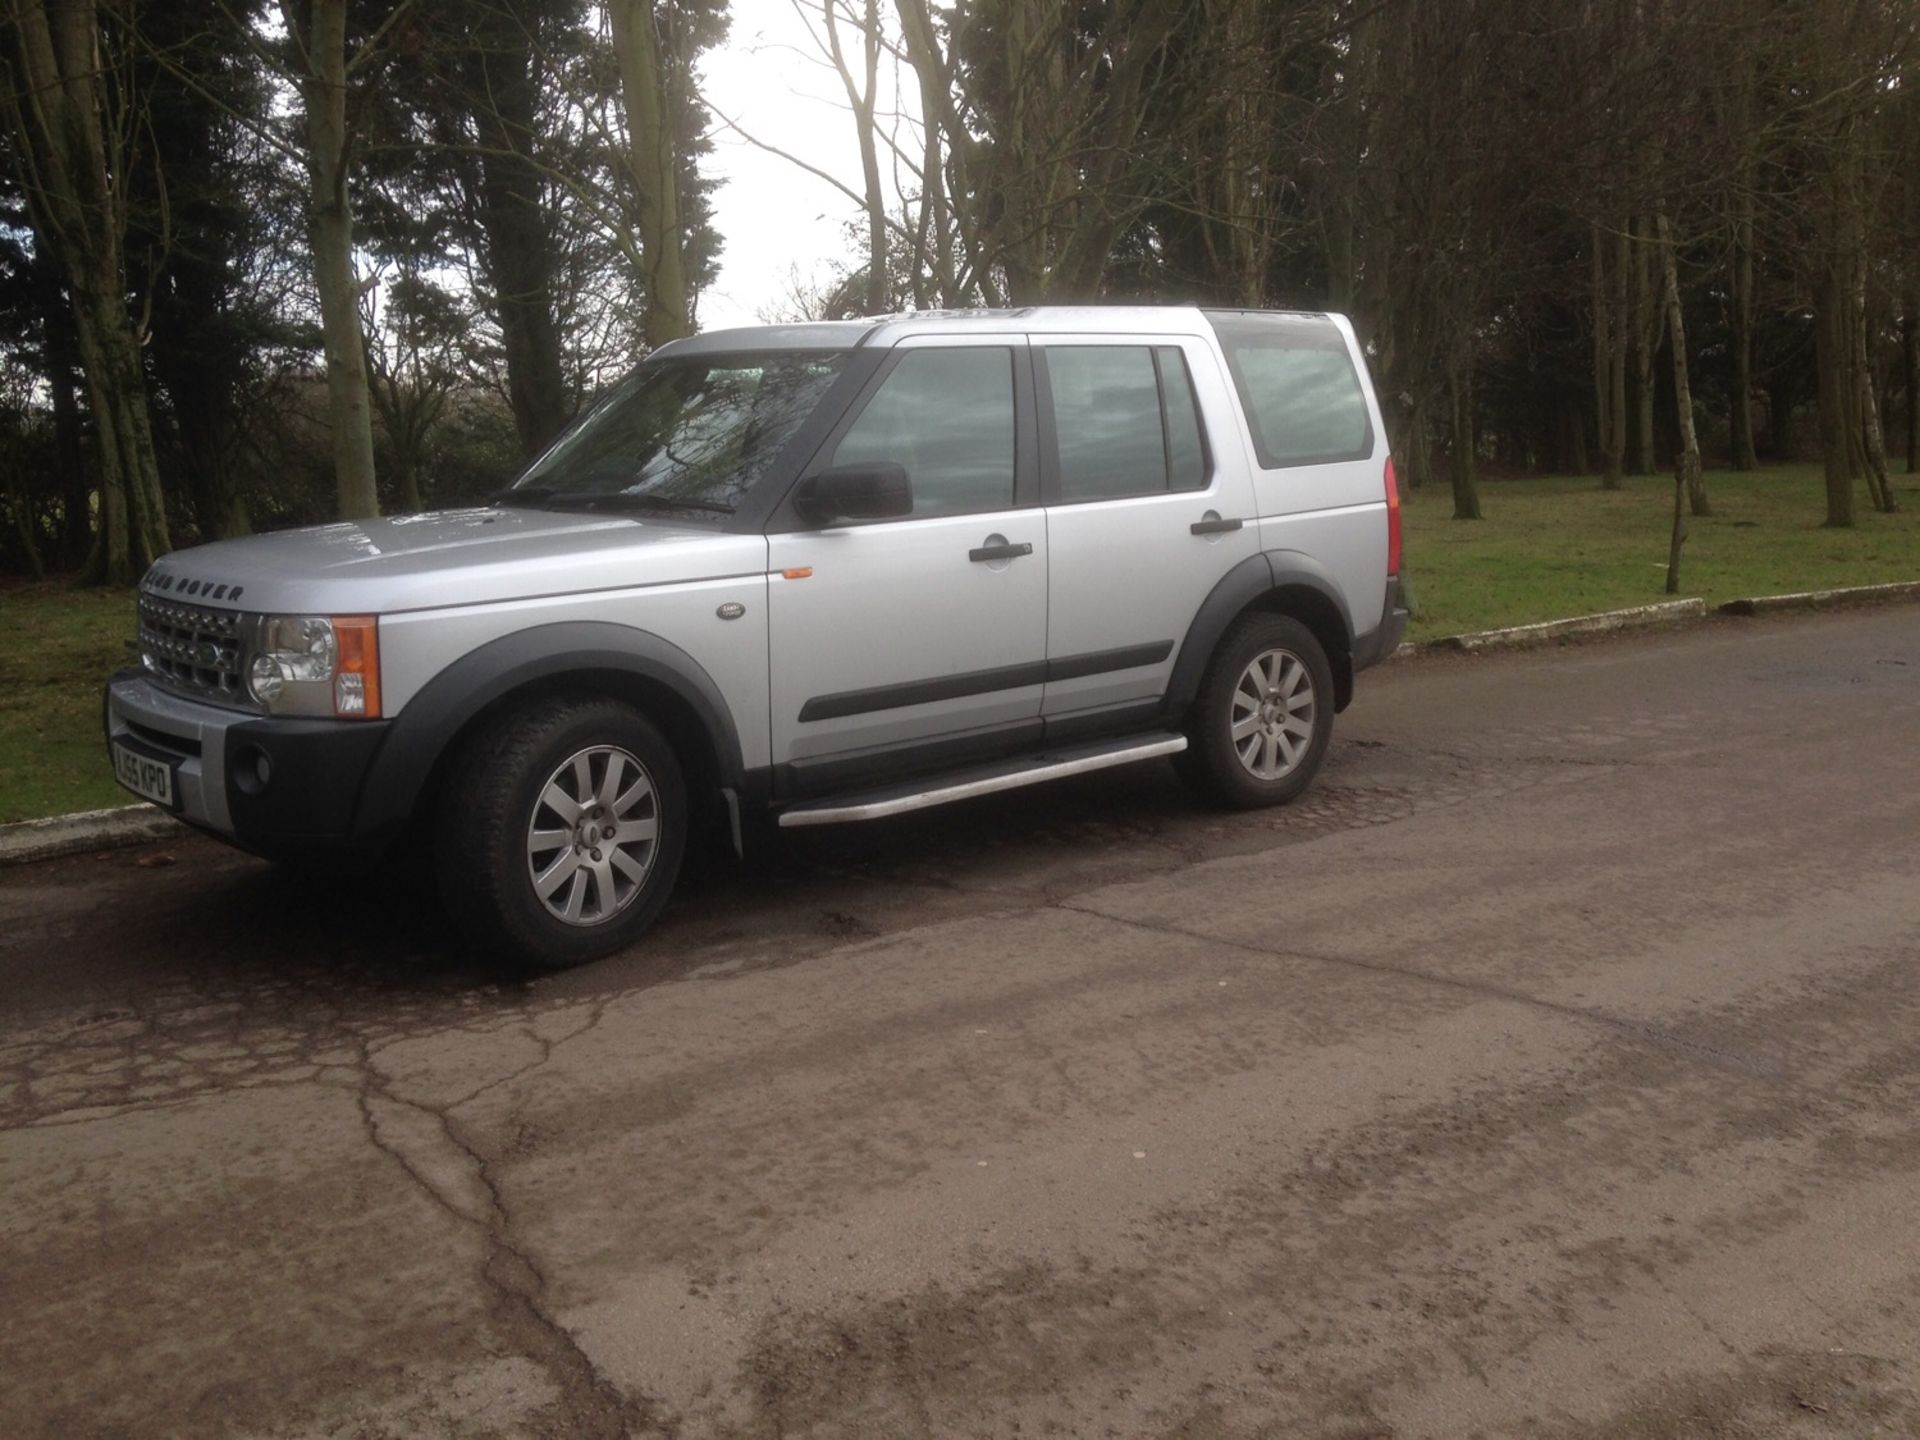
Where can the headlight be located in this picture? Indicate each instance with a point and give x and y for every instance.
(316, 665)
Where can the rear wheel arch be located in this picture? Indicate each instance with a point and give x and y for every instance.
(1313, 606)
(1276, 582)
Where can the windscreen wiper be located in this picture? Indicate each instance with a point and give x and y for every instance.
(630, 500)
(531, 496)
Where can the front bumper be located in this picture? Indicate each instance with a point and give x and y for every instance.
(281, 787)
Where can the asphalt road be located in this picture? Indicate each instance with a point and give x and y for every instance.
(1552, 1069)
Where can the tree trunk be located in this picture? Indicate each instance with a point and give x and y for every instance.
(1417, 447)
(1745, 456)
(1830, 364)
(1910, 351)
(1687, 464)
(1609, 362)
(323, 89)
(409, 477)
(1574, 430)
(1466, 485)
(1866, 405)
(518, 259)
(1678, 536)
(1641, 458)
(22, 510)
(1780, 407)
(76, 493)
(70, 158)
(654, 168)
(860, 98)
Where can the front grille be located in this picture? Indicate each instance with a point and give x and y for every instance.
(193, 650)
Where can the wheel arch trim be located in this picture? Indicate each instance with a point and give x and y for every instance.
(1246, 585)
(429, 722)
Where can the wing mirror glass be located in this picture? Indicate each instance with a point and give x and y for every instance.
(855, 492)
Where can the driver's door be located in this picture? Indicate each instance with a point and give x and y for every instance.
(910, 639)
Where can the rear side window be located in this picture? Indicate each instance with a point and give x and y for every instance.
(1124, 421)
(1297, 384)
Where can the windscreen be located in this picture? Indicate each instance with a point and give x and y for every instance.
(691, 432)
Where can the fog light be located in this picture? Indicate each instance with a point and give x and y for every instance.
(252, 770)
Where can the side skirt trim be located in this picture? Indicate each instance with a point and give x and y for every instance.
(878, 805)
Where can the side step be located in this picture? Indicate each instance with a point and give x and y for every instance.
(983, 780)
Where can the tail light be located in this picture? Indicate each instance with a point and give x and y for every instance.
(1393, 520)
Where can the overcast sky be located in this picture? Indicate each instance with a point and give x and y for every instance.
(775, 217)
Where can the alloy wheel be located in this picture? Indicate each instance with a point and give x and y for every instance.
(593, 835)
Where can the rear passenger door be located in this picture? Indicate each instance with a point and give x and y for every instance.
(1146, 510)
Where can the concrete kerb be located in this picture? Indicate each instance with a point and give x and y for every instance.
(58, 835)
(1824, 599)
(1668, 612)
(86, 830)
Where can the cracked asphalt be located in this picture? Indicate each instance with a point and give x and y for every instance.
(1551, 1069)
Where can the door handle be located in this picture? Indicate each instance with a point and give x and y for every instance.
(1213, 525)
(1000, 551)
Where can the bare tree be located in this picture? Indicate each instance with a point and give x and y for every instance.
(861, 95)
(653, 165)
(73, 142)
(322, 72)
(414, 331)
(1688, 488)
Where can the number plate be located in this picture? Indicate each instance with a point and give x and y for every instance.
(147, 777)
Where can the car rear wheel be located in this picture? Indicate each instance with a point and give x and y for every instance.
(561, 831)
(1263, 718)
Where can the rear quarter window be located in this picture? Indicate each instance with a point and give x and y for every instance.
(1298, 386)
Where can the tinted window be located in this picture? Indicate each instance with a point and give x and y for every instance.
(1186, 459)
(947, 416)
(696, 431)
(1302, 397)
(1124, 421)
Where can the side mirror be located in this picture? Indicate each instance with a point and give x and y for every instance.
(855, 492)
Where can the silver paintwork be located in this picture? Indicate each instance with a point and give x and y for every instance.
(1131, 572)
(449, 558)
(1012, 779)
(195, 732)
(593, 835)
(1272, 714)
(885, 603)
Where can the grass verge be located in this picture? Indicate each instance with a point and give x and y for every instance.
(1548, 548)
(1563, 546)
(58, 643)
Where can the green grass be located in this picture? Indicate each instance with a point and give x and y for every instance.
(1563, 546)
(57, 645)
(1553, 547)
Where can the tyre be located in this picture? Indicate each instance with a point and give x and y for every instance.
(560, 832)
(1261, 722)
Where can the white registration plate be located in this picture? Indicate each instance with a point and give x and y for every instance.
(147, 777)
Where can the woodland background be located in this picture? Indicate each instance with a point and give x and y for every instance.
(275, 263)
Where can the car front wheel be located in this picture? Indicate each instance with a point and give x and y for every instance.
(561, 831)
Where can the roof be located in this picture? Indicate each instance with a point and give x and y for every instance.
(885, 329)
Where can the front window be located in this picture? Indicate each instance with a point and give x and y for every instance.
(946, 416)
(682, 433)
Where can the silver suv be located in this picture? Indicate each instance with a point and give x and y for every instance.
(829, 572)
